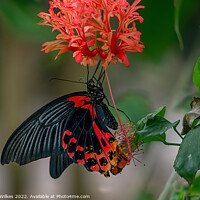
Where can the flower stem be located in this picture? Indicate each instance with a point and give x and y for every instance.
(178, 133)
(169, 143)
(120, 122)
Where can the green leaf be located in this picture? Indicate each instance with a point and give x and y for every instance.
(158, 138)
(195, 122)
(153, 127)
(196, 74)
(156, 126)
(159, 112)
(196, 185)
(187, 161)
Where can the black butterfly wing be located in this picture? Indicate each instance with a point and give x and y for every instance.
(58, 163)
(40, 135)
(87, 140)
(106, 116)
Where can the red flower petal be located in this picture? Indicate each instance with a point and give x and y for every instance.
(79, 57)
(124, 58)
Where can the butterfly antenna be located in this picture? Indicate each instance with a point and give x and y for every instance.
(60, 79)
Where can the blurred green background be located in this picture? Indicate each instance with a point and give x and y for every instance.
(162, 75)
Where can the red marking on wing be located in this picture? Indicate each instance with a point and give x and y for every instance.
(79, 148)
(81, 161)
(109, 146)
(71, 154)
(108, 135)
(80, 102)
(89, 155)
(106, 167)
(95, 167)
(73, 140)
(67, 132)
(64, 145)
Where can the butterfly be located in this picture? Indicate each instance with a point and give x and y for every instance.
(71, 129)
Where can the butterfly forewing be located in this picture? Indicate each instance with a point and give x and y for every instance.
(40, 135)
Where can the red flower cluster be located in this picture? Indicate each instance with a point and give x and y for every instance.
(85, 28)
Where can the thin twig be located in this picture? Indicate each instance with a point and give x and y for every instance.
(178, 133)
(173, 144)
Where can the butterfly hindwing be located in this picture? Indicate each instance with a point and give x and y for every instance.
(58, 163)
(122, 160)
(87, 140)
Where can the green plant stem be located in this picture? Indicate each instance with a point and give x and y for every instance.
(178, 133)
(168, 186)
(169, 143)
